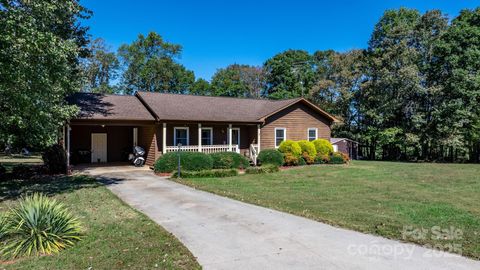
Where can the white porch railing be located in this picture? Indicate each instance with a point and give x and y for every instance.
(204, 148)
(254, 153)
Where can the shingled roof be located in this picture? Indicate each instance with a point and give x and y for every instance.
(109, 107)
(217, 109)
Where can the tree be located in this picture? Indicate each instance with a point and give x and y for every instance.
(100, 68)
(201, 87)
(239, 81)
(150, 65)
(39, 65)
(290, 74)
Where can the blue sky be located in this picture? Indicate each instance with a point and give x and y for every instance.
(215, 34)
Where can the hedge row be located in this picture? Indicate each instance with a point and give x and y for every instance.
(269, 168)
(197, 161)
(206, 173)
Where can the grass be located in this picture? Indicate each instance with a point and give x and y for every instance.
(115, 235)
(381, 198)
(9, 161)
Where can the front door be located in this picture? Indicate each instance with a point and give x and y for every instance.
(99, 147)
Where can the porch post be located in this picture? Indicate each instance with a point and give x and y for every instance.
(68, 148)
(258, 138)
(164, 138)
(199, 137)
(230, 137)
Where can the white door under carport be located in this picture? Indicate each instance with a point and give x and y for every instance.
(99, 147)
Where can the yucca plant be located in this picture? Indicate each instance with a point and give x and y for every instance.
(39, 225)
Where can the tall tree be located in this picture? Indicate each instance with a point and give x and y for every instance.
(239, 81)
(41, 45)
(290, 74)
(101, 67)
(201, 87)
(150, 65)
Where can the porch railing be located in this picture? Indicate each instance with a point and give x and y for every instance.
(204, 148)
(254, 153)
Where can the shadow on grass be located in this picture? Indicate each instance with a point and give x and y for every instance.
(48, 185)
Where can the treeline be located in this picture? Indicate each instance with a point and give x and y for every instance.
(413, 94)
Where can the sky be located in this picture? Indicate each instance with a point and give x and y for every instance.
(214, 34)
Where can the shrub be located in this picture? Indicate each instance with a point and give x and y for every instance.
(189, 161)
(269, 168)
(290, 160)
(323, 147)
(207, 173)
(308, 147)
(322, 159)
(271, 156)
(301, 161)
(229, 160)
(307, 158)
(345, 157)
(55, 158)
(336, 158)
(290, 147)
(39, 225)
(22, 171)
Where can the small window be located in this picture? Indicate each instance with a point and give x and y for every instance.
(207, 136)
(312, 134)
(180, 135)
(280, 136)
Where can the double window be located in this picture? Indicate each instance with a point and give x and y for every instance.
(207, 136)
(280, 136)
(180, 135)
(312, 134)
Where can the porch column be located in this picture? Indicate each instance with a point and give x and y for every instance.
(164, 138)
(199, 137)
(68, 148)
(258, 138)
(230, 137)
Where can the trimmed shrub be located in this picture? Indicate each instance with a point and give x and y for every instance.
(307, 158)
(189, 161)
(323, 147)
(38, 226)
(308, 147)
(290, 147)
(290, 160)
(322, 159)
(229, 160)
(206, 173)
(269, 168)
(22, 171)
(271, 156)
(336, 158)
(55, 158)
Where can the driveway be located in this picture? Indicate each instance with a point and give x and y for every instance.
(228, 234)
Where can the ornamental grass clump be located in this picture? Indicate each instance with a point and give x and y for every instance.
(37, 226)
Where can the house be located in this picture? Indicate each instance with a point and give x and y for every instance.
(108, 126)
(346, 146)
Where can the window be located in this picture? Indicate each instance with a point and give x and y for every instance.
(180, 135)
(280, 136)
(236, 136)
(312, 134)
(207, 136)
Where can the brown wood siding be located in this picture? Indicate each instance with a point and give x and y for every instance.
(296, 120)
(147, 140)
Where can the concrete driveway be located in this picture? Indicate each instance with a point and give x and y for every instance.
(228, 234)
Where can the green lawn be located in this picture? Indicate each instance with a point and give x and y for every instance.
(9, 161)
(115, 235)
(374, 197)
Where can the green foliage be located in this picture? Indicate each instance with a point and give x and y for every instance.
(308, 148)
(268, 168)
(41, 45)
(201, 87)
(207, 173)
(189, 161)
(239, 81)
(322, 159)
(55, 158)
(271, 156)
(302, 161)
(38, 226)
(290, 159)
(337, 158)
(229, 160)
(323, 147)
(151, 66)
(290, 147)
(101, 68)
